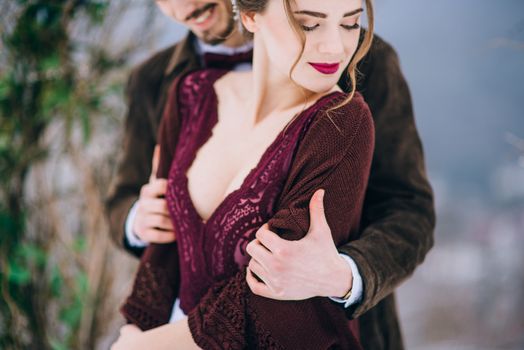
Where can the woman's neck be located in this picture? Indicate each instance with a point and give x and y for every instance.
(273, 91)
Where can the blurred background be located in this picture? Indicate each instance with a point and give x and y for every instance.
(63, 68)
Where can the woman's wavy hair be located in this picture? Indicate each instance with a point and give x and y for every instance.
(258, 6)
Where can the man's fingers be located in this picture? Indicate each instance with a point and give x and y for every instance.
(257, 287)
(155, 188)
(165, 223)
(269, 239)
(155, 161)
(158, 236)
(159, 186)
(258, 252)
(154, 206)
(318, 222)
(158, 221)
(259, 270)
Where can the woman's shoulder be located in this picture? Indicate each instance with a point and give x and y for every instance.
(338, 119)
(338, 130)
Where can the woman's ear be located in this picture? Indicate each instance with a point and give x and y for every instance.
(248, 20)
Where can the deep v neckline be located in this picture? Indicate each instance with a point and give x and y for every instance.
(264, 158)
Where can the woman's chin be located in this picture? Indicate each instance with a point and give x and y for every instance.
(319, 88)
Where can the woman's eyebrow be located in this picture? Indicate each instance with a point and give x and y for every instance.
(323, 15)
(311, 13)
(354, 12)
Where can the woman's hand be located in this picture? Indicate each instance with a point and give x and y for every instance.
(160, 338)
(131, 337)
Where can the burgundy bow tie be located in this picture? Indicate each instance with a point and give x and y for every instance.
(221, 61)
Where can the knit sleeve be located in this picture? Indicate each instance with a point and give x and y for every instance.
(151, 307)
(335, 155)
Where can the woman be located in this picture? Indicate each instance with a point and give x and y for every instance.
(242, 148)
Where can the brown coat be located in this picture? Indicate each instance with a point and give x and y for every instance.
(398, 217)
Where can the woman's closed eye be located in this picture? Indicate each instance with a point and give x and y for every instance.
(345, 26)
(309, 28)
(350, 27)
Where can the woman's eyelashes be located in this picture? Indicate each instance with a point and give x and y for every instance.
(307, 28)
(350, 27)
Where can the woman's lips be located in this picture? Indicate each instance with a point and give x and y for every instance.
(325, 68)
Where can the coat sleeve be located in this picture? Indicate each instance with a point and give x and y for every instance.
(398, 215)
(335, 155)
(134, 165)
(159, 265)
(143, 92)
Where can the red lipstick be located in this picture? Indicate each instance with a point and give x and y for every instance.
(325, 68)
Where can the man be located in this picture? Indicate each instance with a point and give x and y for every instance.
(398, 216)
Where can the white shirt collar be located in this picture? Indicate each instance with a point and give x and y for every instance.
(202, 48)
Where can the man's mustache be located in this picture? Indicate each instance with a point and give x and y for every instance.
(198, 12)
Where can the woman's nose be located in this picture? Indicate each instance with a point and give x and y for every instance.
(331, 43)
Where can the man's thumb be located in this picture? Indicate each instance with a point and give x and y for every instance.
(156, 160)
(316, 213)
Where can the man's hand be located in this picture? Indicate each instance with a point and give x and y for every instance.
(152, 223)
(297, 270)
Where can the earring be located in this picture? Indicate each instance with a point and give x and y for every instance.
(236, 15)
(234, 7)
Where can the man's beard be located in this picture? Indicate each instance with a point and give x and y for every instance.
(215, 39)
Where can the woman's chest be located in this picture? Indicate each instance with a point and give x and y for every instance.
(224, 162)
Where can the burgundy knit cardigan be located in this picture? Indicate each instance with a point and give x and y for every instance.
(335, 154)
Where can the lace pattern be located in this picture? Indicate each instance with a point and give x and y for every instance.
(215, 250)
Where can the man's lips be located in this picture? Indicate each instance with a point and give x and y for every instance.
(198, 12)
(325, 68)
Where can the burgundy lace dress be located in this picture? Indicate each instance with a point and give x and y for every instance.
(209, 275)
(214, 250)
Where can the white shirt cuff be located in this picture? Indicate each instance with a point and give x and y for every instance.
(176, 313)
(131, 237)
(356, 289)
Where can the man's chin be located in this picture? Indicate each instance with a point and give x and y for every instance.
(214, 38)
